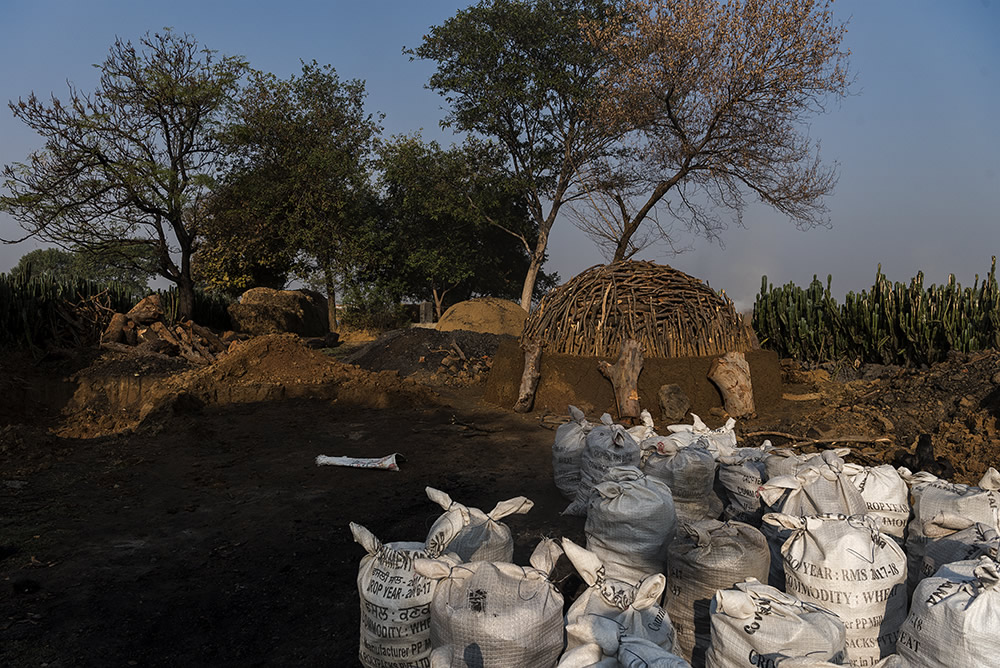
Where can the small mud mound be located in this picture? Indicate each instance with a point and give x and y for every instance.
(431, 356)
(487, 315)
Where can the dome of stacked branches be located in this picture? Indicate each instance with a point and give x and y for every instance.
(670, 313)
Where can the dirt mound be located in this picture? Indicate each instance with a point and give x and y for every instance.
(487, 315)
(431, 356)
(267, 311)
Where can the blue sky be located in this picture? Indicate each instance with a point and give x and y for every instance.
(917, 143)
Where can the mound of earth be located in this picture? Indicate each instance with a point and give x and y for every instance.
(438, 358)
(487, 315)
(269, 311)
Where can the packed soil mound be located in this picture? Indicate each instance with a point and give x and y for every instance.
(431, 356)
(487, 315)
(267, 311)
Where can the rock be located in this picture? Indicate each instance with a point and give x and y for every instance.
(268, 311)
(148, 310)
(115, 331)
(674, 404)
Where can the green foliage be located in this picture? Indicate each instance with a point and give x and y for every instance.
(128, 266)
(372, 307)
(893, 323)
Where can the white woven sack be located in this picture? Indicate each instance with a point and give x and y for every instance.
(741, 474)
(395, 599)
(494, 615)
(571, 438)
(644, 429)
(630, 523)
(885, 493)
(704, 557)
(783, 461)
(689, 472)
(483, 537)
(633, 607)
(720, 442)
(607, 645)
(952, 538)
(891, 661)
(754, 624)
(608, 445)
(848, 566)
(819, 488)
(932, 495)
(954, 618)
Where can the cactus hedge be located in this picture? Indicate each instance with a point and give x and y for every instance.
(892, 323)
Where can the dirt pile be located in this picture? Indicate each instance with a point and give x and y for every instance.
(487, 315)
(268, 311)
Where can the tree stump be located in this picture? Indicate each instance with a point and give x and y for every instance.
(115, 331)
(624, 377)
(731, 374)
(530, 376)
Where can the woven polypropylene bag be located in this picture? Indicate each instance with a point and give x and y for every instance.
(493, 615)
(482, 537)
(630, 524)
(689, 472)
(720, 442)
(607, 645)
(849, 566)
(952, 538)
(783, 461)
(954, 618)
(885, 493)
(567, 450)
(634, 607)
(704, 557)
(741, 474)
(608, 445)
(395, 599)
(754, 624)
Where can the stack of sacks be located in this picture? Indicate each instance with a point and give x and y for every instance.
(952, 538)
(704, 557)
(848, 566)
(494, 615)
(954, 618)
(606, 645)
(720, 442)
(644, 429)
(932, 495)
(630, 524)
(818, 485)
(688, 470)
(754, 624)
(885, 493)
(633, 607)
(607, 445)
(741, 474)
(482, 537)
(782, 461)
(571, 438)
(395, 599)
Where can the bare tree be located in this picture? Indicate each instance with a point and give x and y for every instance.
(712, 97)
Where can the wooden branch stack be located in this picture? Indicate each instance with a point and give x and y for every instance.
(668, 312)
(142, 330)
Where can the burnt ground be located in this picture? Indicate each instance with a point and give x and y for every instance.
(177, 517)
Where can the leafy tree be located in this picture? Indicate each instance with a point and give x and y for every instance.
(103, 267)
(299, 171)
(454, 222)
(129, 165)
(711, 97)
(520, 72)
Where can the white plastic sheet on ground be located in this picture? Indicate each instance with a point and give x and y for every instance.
(571, 439)
(704, 557)
(849, 566)
(482, 537)
(754, 624)
(494, 615)
(395, 599)
(954, 618)
(608, 445)
(387, 463)
(633, 607)
(630, 523)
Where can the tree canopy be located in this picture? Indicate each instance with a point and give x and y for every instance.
(59, 264)
(130, 164)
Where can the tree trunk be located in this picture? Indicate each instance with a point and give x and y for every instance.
(438, 301)
(185, 297)
(624, 377)
(731, 374)
(331, 297)
(530, 376)
(537, 259)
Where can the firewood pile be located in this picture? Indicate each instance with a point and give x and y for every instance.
(669, 312)
(143, 331)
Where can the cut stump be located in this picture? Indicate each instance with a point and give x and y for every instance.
(530, 376)
(731, 374)
(624, 377)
